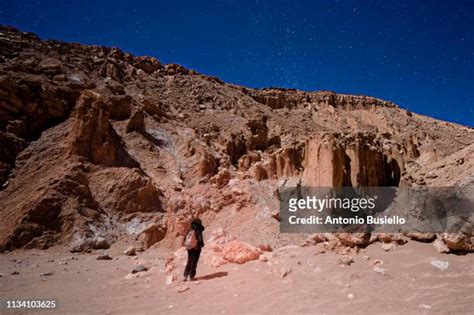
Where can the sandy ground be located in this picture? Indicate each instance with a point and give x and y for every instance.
(316, 284)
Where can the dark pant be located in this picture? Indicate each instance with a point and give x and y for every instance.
(193, 257)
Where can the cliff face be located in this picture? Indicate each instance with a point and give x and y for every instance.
(358, 160)
(97, 144)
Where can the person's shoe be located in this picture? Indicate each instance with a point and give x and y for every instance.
(185, 278)
(192, 279)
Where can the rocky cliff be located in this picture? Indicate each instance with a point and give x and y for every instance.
(97, 144)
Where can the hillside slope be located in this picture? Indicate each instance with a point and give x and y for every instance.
(97, 145)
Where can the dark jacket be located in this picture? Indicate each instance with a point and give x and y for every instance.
(197, 226)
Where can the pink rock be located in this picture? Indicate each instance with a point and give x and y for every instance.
(240, 252)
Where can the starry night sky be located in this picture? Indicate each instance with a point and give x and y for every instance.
(418, 54)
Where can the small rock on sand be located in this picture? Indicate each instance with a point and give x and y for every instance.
(345, 260)
(139, 268)
(425, 306)
(388, 246)
(45, 274)
(263, 258)
(379, 270)
(351, 296)
(284, 272)
(442, 265)
(104, 256)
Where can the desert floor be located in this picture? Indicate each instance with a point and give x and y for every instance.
(406, 282)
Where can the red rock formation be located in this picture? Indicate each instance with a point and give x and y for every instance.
(338, 160)
(96, 144)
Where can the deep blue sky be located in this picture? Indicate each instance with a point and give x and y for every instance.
(418, 54)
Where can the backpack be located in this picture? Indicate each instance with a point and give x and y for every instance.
(191, 240)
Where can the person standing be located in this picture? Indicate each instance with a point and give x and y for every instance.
(194, 242)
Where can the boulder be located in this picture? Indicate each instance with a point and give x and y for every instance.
(354, 239)
(389, 238)
(240, 252)
(153, 234)
(421, 237)
(315, 239)
(100, 243)
(460, 242)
